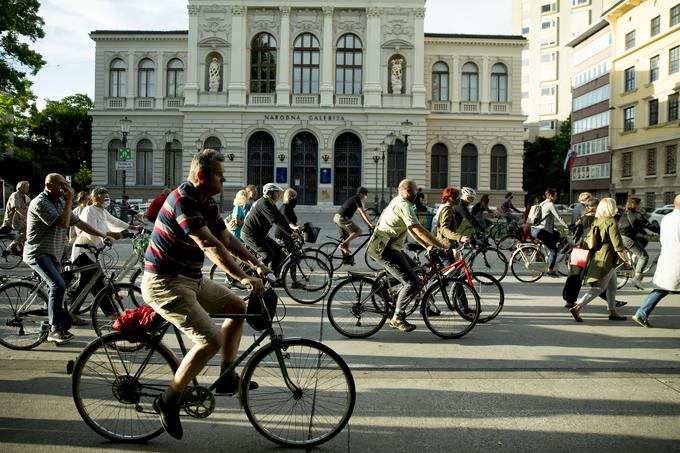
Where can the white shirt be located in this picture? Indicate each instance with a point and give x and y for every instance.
(101, 220)
(667, 275)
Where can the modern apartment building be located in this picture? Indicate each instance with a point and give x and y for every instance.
(590, 91)
(645, 87)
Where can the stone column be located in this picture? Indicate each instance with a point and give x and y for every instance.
(283, 70)
(131, 81)
(160, 80)
(372, 89)
(191, 85)
(484, 85)
(326, 88)
(454, 84)
(237, 86)
(418, 88)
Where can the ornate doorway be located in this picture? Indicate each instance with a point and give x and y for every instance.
(347, 167)
(260, 159)
(304, 167)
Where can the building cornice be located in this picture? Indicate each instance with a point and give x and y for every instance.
(588, 33)
(144, 35)
(494, 40)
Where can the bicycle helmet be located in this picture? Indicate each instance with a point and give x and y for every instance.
(271, 187)
(362, 189)
(467, 192)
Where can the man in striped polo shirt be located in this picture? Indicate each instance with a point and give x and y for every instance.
(187, 228)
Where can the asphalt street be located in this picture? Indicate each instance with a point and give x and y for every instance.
(531, 380)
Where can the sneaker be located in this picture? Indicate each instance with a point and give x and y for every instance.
(617, 317)
(169, 417)
(401, 324)
(576, 313)
(552, 274)
(229, 385)
(620, 303)
(59, 337)
(641, 321)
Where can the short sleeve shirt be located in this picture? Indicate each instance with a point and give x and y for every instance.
(350, 206)
(171, 250)
(396, 219)
(43, 238)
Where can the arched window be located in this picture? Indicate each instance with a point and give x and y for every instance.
(212, 143)
(115, 176)
(175, 78)
(439, 167)
(396, 76)
(348, 64)
(147, 79)
(396, 164)
(468, 166)
(499, 167)
(499, 83)
(470, 83)
(440, 81)
(117, 78)
(263, 64)
(260, 159)
(144, 163)
(306, 64)
(173, 163)
(347, 152)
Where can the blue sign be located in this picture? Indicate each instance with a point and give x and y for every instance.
(281, 174)
(325, 176)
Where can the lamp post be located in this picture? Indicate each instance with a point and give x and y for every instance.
(125, 130)
(376, 159)
(383, 148)
(406, 132)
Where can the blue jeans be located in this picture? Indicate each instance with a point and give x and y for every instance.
(48, 269)
(550, 240)
(650, 302)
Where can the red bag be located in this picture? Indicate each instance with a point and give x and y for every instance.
(579, 257)
(136, 323)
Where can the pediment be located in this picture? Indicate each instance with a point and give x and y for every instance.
(213, 42)
(397, 44)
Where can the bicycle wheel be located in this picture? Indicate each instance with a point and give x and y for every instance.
(107, 306)
(235, 286)
(562, 265)
(371, 263)
(498, 230)
(355, 308)
(307, 279)
(26, 329)
(136, 278)
(312, 407)
(332, 254)
(8, 260)
(109, 258)
(491, 295)
(528, 264)
(508, 242)
(458, 308)
(622, 276)
(490, 260)
(114, 386)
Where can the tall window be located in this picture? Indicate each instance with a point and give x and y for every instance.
(440, 82)
(469, 83)
(651, 162)
(117, 79)
(654, 68)
(670, 167)
(146, 81)
(653, 112)
(630, 40)
(175, 78)
(260, 158)
(396, 163)
(673, 106)
(650, 200)
(675, 15)
(347, 164)
(499, 83)
(629, 79)
(263, 64)
(629, 118)
(173, 163)
(144, 163)
(468, 172)
(674, 60)
(439, 166)
(306, 64)
(115, 176)
(627, 165)
(655, 26)
(499, 167)
(348, 64)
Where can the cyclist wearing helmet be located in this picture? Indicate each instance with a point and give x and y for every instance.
(467, 197)
(258, 222)
(343, 218)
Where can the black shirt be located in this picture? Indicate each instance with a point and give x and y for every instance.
(462, 212)
(633, 223)
(260, 218)
(288, 212)
(350, 206)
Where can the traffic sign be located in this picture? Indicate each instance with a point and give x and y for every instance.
(124, 153)
(124, 165)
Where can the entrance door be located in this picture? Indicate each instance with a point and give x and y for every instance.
(260, 159)
(396, 167)
(347, 167)
(304, 167)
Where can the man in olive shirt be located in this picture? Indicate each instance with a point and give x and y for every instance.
(397, 219)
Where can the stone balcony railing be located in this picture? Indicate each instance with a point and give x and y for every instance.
(174, 103)
(116, 103)
(499, 107)
(469, 107)
(144, 103)
(440, 106)
(305, 99)
(261, 99)
(347, 101)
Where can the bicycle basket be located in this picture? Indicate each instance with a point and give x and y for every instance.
(255, 307)
(311, 233)
(136, 323)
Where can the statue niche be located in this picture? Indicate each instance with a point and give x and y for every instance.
(396, 80)
(214, 73)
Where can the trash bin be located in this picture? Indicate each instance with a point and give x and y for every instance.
(425, 219)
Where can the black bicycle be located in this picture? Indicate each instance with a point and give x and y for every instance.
(336, 258)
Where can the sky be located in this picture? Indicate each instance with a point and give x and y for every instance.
(69, 51)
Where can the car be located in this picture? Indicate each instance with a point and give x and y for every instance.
(563, 209)
(659, 213)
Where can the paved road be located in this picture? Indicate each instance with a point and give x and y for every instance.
(532, 380)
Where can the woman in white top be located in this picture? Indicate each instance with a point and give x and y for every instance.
(545, 231)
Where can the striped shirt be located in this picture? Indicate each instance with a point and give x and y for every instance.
(171, 250)
(43, 238)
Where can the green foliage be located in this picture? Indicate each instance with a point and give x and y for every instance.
(544, 162)
(83, 177)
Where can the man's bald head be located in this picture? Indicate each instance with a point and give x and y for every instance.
(54, 178)
(407, 189)
(677, 201)
(56, 184)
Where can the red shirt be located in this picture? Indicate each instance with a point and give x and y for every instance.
(155, 206)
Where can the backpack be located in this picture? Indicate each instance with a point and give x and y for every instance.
(535, 214)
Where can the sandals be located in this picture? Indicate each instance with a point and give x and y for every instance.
(576, 313)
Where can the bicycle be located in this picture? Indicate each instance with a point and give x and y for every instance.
(306, 391)
(528, 263)
(359, 305)
(624, 274)
(8, 259)
(23, 313)
(134, 265)
(486, 258)
(336, 258)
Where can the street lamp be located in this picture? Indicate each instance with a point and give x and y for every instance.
(199, 144)
(125, 130)
(406, 132)
(376, 159)
(383, 148)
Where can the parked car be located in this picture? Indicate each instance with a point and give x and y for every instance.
(659, 213)
(563, 209)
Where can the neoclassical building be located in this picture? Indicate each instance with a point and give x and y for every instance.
(305, 96)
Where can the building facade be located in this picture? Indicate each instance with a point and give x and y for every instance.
(645, 87)
(304, 95)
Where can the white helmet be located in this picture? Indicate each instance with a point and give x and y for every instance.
(271, 187)
(466, 192)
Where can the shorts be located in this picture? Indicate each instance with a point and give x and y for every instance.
(186, 303)
(345, 224)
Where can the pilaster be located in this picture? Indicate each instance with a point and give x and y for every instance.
(131, 81)
(372, 89)
(237, 86)
(283, 72)
(160, 80)
(326, 88)
(418, 89)
(192, 68)
(484, 85)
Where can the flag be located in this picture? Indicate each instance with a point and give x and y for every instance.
(569, 160)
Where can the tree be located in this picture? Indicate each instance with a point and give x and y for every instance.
(544, 162)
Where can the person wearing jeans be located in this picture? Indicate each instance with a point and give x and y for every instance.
(545, 231)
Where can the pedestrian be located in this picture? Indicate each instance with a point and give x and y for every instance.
(667, 275)
(238, 214)
(16, 212)
(251, 194)
(600, 271)
(156, 205)
(580, 207)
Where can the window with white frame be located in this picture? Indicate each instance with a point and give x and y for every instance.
(499, 83)
(673, 106)
(263, 61)
(630, 40)
(146, 82)
(348, 65)
(654, 69)
(596, 146)
(117, 78)
(655, 26)
(675, 15)
(591, 122)
(469, 83)
(591, 98)
(585, 172)
(629, 79)
(175, 77)
(629, 118)
(144, 161)
(440, 81)
(576, 3)
(674, 60)
(590, 74)
(306, 64)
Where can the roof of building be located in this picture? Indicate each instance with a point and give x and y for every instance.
(139, 32)
(462, 35)
(588, 33)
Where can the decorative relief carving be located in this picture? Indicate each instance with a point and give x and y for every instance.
(374, 12)
(349, 21)
(285, 11)
(306, 20)
(327, 11)
(264, 20)
(419, 12)
(238, 10)
(193, 10)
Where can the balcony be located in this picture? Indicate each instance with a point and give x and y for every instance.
(499, 107)
(305, 99)
(144, 103)
(115, 103)
(262, 99)
(440, 107)
(469, 107)
(347, 101)
(174, 103)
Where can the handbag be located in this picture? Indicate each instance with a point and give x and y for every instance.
(579, 257)
(593, 241)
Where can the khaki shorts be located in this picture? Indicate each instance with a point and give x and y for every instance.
(186, 303)
(347, 225)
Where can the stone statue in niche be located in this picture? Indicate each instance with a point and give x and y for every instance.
(214, 75)
(396, 75)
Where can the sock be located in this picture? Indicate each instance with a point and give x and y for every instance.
(172, 397)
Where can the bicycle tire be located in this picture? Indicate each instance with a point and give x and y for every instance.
(307, 279)
(109, 258)
(498, 230)
(8, 260)
(508, 242)
(491, 295)
(350, 311)
(218, 275)
(21, 332)
(106, 307)
(136, 278)
(528, 264)
(452, 321)
(371, 263)
(490, 260)
(622, 277)
(114, 394)
(326, 395)
(332, 254)
(562, 265)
